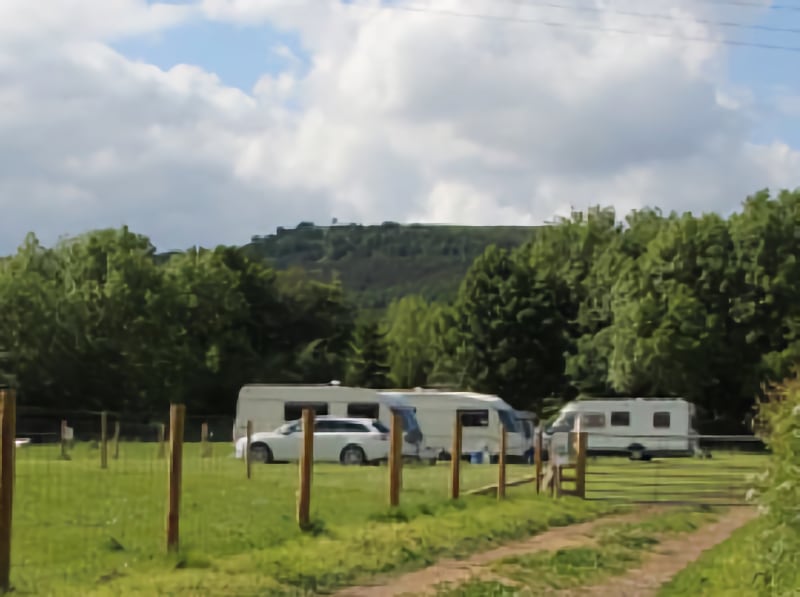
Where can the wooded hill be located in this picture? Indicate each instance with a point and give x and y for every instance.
(377, 264)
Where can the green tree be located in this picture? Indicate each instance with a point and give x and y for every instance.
(508, 333)
(367, 366)
(411, 336)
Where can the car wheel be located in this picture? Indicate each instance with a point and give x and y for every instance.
(353, 455)
(260, 453)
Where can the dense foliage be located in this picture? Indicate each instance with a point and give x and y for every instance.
(96, 323)
(703, 307)
(779, 541)
(700, 307)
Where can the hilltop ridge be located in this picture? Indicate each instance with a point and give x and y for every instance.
(377, 263)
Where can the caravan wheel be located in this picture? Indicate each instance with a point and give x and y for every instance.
(638, 452)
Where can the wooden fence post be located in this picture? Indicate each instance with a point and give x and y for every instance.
(580, 465)
(177, 416)
(8, 432)
(501, 463)
(455, 459)
(537, 459)
(162, 440)
(116, 440)
(103, 440)
(64, 453)
(395, 459)
(248, 463)
(306, 465)
(205, 445)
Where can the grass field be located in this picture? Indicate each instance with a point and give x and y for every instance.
(77, 527)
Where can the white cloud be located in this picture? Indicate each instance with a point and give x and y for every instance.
(396, 116)
(56, 20)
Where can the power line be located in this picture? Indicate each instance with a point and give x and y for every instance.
(789, 7)
(574, 26)
(649, 15)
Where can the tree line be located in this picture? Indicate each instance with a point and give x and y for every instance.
(704, 307)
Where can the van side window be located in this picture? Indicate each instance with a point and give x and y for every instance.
(475, 418)
(364, 410)
(620, 419)
(294, 410)
(661, 420)
(593, 420)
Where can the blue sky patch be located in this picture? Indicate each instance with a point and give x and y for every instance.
(239, 55)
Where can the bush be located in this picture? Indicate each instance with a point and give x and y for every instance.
(778, 491)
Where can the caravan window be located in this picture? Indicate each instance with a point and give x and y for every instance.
(294, 410)
(620, 419)
(475, 418)
(363, 410)
(593, 420)
(661, 420)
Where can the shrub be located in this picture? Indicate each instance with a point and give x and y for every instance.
(778, 491)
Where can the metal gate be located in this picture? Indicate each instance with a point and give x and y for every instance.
(720, 472)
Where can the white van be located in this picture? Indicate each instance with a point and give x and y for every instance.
(642, 427)
(481, 418)
(269, 406)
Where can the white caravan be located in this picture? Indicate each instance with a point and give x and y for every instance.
(481, 418)
(642, 427)
(269, 406)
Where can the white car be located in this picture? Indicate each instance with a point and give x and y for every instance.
(336, 439)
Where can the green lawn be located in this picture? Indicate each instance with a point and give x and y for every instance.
(77, 526)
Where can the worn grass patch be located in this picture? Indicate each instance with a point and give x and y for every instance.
(616, 548)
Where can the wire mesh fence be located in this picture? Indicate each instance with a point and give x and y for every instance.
(73, 519)
(91, 494)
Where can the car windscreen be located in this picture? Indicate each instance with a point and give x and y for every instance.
(380, 426)
(288, 428)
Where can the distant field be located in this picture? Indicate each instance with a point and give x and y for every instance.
(75, 523)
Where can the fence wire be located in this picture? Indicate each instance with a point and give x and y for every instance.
(74, 521)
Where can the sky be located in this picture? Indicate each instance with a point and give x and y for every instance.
(209, 121)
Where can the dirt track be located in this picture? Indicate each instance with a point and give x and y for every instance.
(668, 558)
(423, 581)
